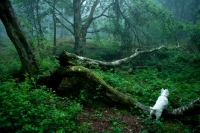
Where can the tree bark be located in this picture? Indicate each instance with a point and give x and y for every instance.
(107, 90)
(17, 36)
(189, 109)
(114, 95)
(78, 46)
(80, 28)
(69, 68)
(67, 58)
(54, 28)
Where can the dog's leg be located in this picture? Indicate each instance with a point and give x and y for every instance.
(151, 111)
(158, 114)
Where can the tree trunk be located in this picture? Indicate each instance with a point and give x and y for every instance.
(68, 69)
(66, 59)
(17, 36)
(195, 11)
(114, 95)
(78, 46)
(80, 30)
(54, 28)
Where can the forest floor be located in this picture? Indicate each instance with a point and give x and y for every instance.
(109, 120)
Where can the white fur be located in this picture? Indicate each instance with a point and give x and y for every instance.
(161, 104)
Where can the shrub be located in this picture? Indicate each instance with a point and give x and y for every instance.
(35, 110)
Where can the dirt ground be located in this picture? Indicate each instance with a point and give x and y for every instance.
(109, 120)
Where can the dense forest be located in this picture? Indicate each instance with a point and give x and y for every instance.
(99, 65)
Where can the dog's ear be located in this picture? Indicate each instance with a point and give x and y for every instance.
(162, 90)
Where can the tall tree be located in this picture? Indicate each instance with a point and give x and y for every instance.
(17, 36)
(138, 22)
(184, 10)
(80, 29)
(54, 27)
(34, 14)
(84, 13)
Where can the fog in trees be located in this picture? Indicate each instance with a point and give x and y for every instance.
(134, 23)
(99, 65)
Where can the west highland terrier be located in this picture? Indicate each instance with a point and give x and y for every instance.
(161, 104)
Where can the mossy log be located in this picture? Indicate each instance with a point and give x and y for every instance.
(114, 95)
(69, 67)
(17, 36)
(191, 108)
(108, 91)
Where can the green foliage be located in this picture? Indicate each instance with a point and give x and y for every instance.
(105, 49)
(48, 65)
(152, 126)
(179, 73)
(194, 34)
(117, 126)
(24, 109)
(9, 62)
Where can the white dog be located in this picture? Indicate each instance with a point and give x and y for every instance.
(160, 105)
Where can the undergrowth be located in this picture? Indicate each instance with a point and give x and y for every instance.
(27, 107)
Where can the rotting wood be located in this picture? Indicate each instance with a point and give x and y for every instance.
(69, 67)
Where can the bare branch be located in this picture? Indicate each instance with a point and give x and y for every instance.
(95, 31)
(89, 19)
(64, 17)
(118, 62)
(68, 59)
(102, 14)
(60, 13)
(64, 25)
(134, 28)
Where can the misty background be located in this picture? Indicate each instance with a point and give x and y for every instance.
(132, 23)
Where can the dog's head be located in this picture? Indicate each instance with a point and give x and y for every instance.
(164, 92)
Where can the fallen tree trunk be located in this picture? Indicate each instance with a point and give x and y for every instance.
(115, 95)
(68, 68)
(189, 109)
(107, 90)
(69, 59)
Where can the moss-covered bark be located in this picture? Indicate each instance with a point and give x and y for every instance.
(114, 95)
(69, 67)
(189, 109)
(109, 92)
(17, 36)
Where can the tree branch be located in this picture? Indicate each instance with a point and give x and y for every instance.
(94, 31)
(133, 27)
(89, 19)
(60, 13)
(64, 26)
(65, 57)
(102, 14)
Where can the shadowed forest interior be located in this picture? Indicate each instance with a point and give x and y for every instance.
(98, 65)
